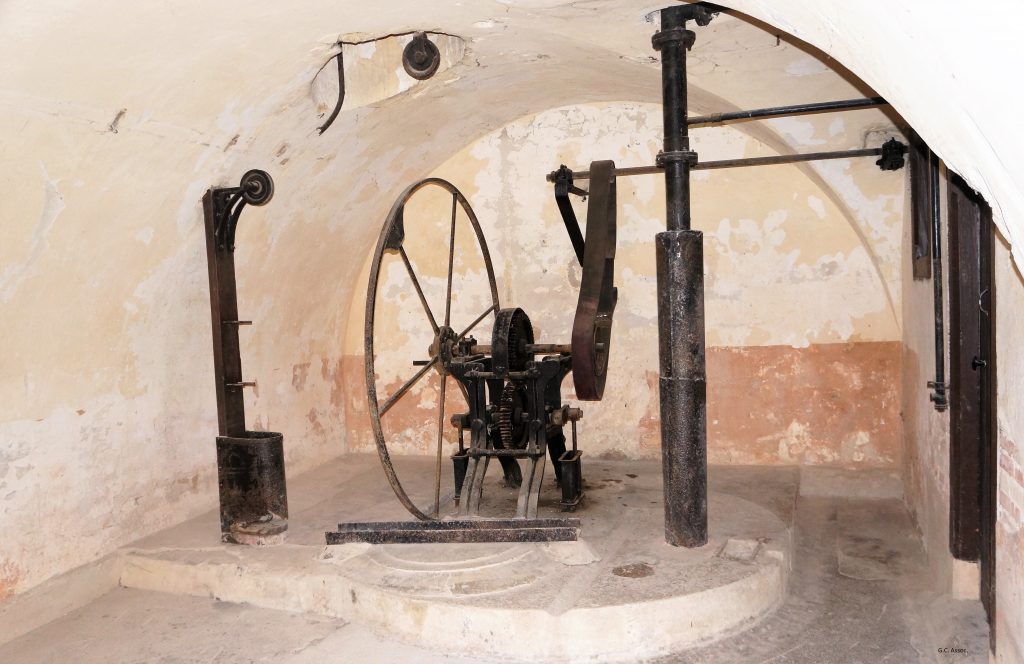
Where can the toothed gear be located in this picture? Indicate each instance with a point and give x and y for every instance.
(511, 432)
(511, 335)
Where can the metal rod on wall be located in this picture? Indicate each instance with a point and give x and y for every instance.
(782, 111)
(738, 163)
(938, 395)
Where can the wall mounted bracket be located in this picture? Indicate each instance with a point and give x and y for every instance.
(250, 464)
(255, 188)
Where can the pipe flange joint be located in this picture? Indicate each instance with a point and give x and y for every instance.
(674, 156)
(671, 36)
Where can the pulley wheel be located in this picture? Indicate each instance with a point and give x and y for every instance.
(407, 254)
(257, 187)
(421, 58)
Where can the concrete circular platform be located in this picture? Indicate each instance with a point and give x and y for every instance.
(618, 595)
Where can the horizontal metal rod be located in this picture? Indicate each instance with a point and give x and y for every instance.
(511, 375)
(737, 163)
(518, 454)
(539, 349)
(780, 111)
(786, 159)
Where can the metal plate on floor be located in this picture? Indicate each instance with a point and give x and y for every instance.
(460, 531)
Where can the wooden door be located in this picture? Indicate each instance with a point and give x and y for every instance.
(972, 467)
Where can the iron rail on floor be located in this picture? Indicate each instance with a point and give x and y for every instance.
(457, 531)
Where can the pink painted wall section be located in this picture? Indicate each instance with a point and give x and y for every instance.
(829, 404)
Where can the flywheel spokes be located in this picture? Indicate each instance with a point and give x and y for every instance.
(404, 267)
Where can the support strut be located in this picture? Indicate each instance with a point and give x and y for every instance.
(680, 268)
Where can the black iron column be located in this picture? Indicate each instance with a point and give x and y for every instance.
(680, 266)
(250, 464)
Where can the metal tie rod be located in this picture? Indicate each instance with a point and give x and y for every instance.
(736, 163)
(780, 111)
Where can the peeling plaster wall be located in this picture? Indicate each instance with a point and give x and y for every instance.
(926, 431)
(818, 384)
(908, 59)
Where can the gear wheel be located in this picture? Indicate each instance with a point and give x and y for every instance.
(511, 335)
(511, 432)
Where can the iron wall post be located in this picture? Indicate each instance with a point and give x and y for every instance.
(938, 396)
(227, 360)
(250, 464)
(680, 269)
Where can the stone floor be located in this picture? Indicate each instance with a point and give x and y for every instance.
(859, 593)
(858, 590)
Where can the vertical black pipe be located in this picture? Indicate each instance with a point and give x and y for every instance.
(938, 395)
(673, 40)
(680, 267)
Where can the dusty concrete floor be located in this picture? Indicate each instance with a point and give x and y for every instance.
(858, 593)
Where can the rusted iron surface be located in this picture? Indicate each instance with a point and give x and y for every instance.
(512, 386)
(592, 324)
(891, 152)
(680, 269)
(448, 343)
(462, 531)
(563, 179)
(340, 59)
(421, 57)
(786, 111)
(253, 491)
(250, 464)
(683, 390)
(222, 208)
(939, 386)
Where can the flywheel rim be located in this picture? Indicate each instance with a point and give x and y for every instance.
(392, 237)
